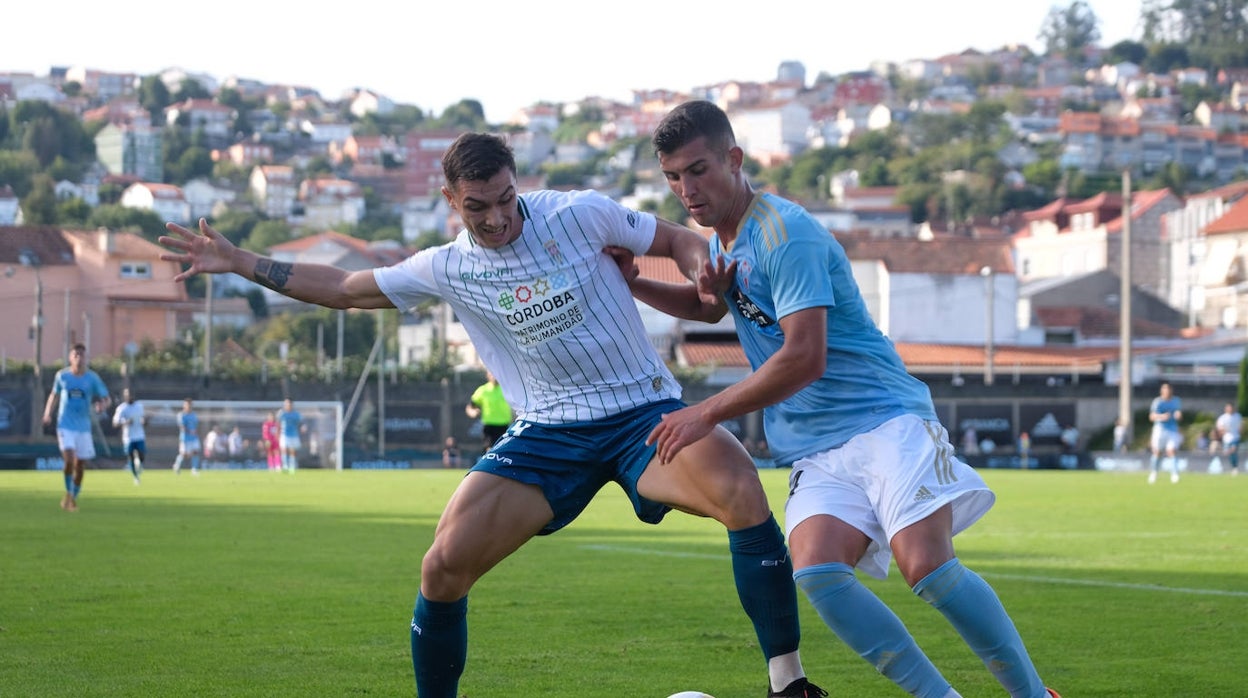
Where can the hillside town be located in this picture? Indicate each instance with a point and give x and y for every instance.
(1089, 177)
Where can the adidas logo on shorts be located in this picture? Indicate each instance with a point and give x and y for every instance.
(923, 494)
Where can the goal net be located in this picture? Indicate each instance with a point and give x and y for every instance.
(320, 440)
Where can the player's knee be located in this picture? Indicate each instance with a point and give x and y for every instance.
(442, 579)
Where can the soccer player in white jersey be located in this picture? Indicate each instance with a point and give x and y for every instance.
(1229, 424)
(874, 475)
(553, 320)
(131, 418)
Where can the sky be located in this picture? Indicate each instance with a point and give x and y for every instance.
(433, 54)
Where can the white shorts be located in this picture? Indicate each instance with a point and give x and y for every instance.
(189, 447)
(1166, 441)
(80, 442)
(289, 443)
(885, 480)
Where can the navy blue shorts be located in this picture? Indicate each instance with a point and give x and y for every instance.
(571, 462)
(139, 447)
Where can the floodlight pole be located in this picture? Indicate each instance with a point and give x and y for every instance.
(1124, 311)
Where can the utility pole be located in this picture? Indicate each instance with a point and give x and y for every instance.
(989, 284)
(1124, 311)
(208, 327)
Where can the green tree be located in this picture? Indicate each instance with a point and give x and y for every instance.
(266, 234)
(154, 97)
(1067, 32)
(1241, 397)
(1127, 51)
(17, 169)
(73, 212)
(39, 206)
(117, 217)
(465, 115)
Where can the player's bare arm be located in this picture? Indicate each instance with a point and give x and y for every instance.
(209, 252)
(798, 363)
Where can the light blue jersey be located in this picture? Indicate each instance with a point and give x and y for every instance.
(786, 262)
(76, 394)
(1167, 407)
(289, 422)
(188, 427)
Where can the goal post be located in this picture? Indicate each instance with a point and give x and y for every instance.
(321, 437)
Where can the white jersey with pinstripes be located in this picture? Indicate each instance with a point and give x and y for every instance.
(550, 314)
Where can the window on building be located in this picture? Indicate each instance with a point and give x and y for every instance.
(136, 270)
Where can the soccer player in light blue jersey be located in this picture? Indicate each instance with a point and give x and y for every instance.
(189, 445)
(1165, 412)
(553, 319)
(290, 427)
(874, 475)
(81, 395)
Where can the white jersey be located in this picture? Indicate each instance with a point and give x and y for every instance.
(129, 416)
(550, 314)
(1229, 425)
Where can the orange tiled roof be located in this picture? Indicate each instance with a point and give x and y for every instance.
(920, 358)
(946, 255)
(1233, 221)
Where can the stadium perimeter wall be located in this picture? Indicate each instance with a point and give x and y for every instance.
(417, 417)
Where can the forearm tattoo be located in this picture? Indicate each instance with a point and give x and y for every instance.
(273, 274)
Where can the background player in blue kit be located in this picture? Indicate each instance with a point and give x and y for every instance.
(290, 428)
(81, 394)
(553, 320)
(189, 445)
(1165, 412)
(874, 475)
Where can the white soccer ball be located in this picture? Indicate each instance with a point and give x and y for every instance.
(691, 694)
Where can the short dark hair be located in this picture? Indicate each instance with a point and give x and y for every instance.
(690, 121)
(476, 157)
(78, 348)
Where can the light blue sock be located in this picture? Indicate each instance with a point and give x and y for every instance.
(763, 573)
(439, 646)
(69, 484)
(870, 628)
(1154, 462)
(977, 614)
(75, 488)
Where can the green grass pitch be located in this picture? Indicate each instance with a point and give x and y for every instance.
(267, 584)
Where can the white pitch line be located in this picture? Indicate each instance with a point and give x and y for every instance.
(1014, 577)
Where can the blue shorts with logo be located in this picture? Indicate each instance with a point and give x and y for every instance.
(571, 462)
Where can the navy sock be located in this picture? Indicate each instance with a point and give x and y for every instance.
(764, 575)
(439, 646)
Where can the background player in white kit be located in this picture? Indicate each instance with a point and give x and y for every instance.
(553, 320)
(131, 418)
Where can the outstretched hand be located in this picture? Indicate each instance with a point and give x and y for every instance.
(715, 279)
(207, 252)
(677, 430)
(625, 260)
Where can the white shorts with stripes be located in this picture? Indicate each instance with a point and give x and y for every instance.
(884, 480)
